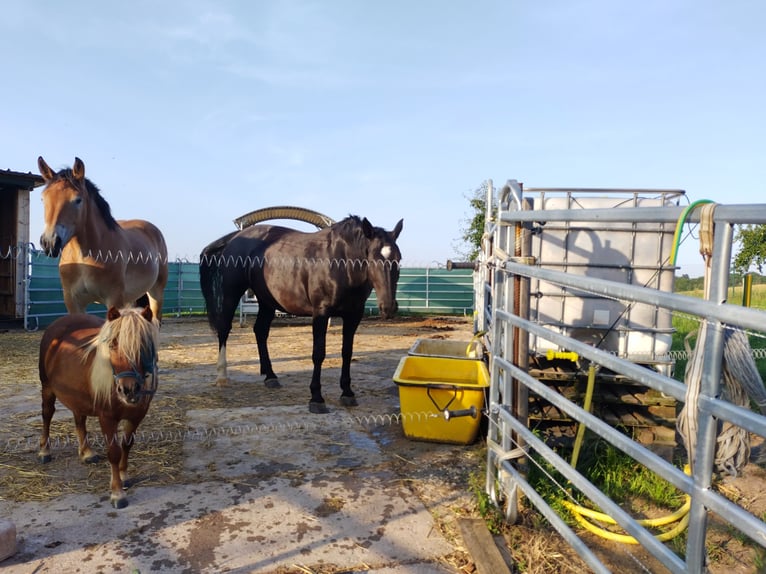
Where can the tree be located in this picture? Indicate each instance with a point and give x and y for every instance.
(752, 250)
(473, 229)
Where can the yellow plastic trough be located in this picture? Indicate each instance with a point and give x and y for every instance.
(446, 348)
(441, 398)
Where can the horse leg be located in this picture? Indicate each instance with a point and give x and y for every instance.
(117, 496)
(72, 302)
(86, 453)
(350, 324)
(49, 407)
(222, 375)
(261, 329)
(156, 292)
(156, 297)
(127, 443)
(155, 305)
(319, 330)
(223, 328)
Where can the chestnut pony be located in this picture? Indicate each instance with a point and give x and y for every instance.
(105, 369)
(328, 273)
(102, 259)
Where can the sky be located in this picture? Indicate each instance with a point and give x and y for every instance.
(191, 113)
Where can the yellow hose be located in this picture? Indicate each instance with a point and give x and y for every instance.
(580, 512)
(651, 522)
(625, 538)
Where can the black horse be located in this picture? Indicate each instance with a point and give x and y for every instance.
(328, 273)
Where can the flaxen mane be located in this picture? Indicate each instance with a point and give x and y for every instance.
(135, 338)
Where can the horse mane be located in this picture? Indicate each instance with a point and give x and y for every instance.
(134, 336)
(95, 194)
(351, 228)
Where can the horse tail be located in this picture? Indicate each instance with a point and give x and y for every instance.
(211, 270)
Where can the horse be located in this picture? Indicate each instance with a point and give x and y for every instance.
(324, 274)
(105, 369)
(102, 259)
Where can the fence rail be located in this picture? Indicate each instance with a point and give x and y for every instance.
(420, 290)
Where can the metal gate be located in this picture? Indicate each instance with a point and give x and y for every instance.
(512, 282)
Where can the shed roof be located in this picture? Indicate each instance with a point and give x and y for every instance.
(13, 180)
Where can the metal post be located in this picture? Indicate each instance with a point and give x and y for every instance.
(747, 289)
(702, 471)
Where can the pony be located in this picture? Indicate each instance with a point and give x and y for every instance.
(105, 369)
(324, 274)
(102, 259)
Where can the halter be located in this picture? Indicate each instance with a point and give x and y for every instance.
(149, 365)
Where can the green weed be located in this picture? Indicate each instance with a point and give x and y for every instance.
(491, 514)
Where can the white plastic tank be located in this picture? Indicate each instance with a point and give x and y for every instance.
(626, 251)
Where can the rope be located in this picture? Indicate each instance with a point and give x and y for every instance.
(740, 377)
(679, 226)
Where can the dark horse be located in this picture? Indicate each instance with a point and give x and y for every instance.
(328, 273)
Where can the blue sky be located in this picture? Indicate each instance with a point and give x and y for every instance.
(191, 113)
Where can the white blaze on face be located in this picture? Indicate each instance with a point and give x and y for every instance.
(386, 252)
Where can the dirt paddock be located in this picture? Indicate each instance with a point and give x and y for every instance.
(261, 447)
(196, 432)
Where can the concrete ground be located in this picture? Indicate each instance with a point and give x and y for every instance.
(336, 506)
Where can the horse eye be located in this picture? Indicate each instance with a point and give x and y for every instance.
(77, 201)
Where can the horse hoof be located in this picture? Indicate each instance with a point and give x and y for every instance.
(221, 382)
(318, 408)
(272, 383)
(92, 459)
(119, 502)
(44, 458)
(348, 401)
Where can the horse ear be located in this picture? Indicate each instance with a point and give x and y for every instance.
(45, 169)
(398, 229)
(146, 313)
(78, 169)
(112, 314)
(367, 228)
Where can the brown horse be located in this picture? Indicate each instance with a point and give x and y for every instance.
(105, 369)
(102, 259)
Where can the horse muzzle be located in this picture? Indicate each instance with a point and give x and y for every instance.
(388, 311)
(51, 246)
(53, 240)
(131, 387)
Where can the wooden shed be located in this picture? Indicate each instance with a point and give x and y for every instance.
(15, 188)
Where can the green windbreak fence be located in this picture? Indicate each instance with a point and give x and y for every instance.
(420, 290)
(44, 296)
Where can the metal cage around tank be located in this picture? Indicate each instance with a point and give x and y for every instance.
(540, 313)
